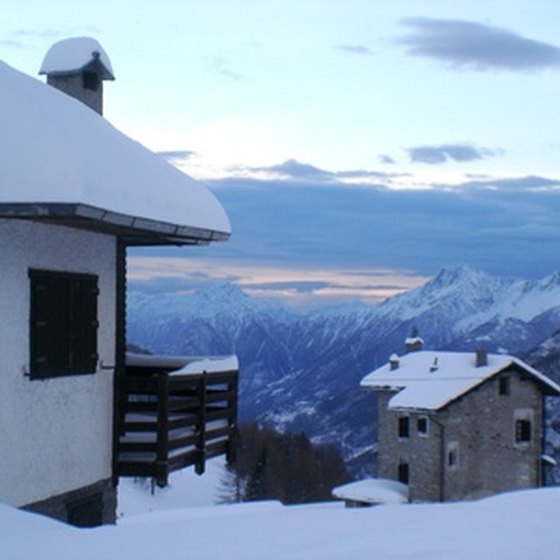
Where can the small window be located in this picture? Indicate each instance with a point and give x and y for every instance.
(503, 385)
(422, 426)
(403, 473)
(404, 429)
(63, 323)
(523, 431)
(453, 455)
(90, 80)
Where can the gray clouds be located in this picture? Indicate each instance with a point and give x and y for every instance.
(446, 152)
(355, 49)
(469, 45)
(293, 170)
(504, 226)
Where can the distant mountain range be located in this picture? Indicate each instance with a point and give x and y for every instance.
(302, 372)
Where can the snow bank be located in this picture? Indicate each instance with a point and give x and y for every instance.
(185, 489)
(512, 526)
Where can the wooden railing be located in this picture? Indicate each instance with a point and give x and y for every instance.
(169, 420)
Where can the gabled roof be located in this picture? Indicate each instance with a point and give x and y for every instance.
(429, 380)
(75, 54)
(62, 162)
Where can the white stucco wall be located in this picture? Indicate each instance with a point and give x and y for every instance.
(55, 434)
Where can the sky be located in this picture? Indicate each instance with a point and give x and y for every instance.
(358, 146)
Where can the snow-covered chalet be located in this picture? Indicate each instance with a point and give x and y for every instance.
(76, 411)
(460, 425)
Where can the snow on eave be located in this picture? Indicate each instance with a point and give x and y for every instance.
(55, 150)
(75, 54)
(546, 382)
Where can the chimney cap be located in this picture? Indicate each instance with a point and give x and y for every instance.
(394, 362)
(76, 54)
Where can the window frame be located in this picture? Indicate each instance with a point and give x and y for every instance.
(63, 323)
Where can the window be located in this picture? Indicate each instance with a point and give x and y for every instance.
(90, 80)
(63, 323)
(503, 385)
(403, 473)
(403, 427)
(452, 454)
(523, 426)
(522, 431)
(422, 426)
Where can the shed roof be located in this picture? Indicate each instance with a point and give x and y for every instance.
(63, 162)
(75, 54)
(373, 491)
(429, 380)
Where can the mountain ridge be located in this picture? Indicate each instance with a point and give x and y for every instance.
(301, 371)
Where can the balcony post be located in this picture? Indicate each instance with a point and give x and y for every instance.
(231, 453)
(200, 465)
(162, 445)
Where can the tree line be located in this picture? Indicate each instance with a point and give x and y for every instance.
(281, 466)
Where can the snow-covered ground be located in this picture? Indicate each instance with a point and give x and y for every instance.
(186, 489)
(512, 526)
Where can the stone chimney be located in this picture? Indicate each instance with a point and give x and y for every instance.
(394, 362)
(481, 357)
(78, 66)
(413, 343)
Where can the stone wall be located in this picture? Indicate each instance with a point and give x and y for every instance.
(478, 430)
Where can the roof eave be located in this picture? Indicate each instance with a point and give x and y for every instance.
(132, 230)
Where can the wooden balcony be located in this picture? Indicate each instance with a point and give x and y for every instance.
(175, 412)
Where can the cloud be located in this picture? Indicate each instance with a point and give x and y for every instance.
(386, 159)
(321, 240)
(11, 43)
(294, 171)
(175, 156)
(221, 65)
(470, 45)
(355, 49)
(456, 152)
(530, 183)
(45, 33)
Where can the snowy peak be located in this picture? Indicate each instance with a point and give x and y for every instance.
(460, 275)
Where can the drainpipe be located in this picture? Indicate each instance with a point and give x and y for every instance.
(442, 458)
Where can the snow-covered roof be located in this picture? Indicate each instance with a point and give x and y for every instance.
(429, 380)
(74, 54)
(373, 491)
(59, 158)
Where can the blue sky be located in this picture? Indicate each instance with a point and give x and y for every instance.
(358, 145)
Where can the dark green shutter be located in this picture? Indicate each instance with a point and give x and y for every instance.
(63, 323)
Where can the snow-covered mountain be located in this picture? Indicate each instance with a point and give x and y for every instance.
(301, 372)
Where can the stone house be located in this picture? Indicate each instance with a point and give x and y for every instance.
(77, 412)
(457, 426)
